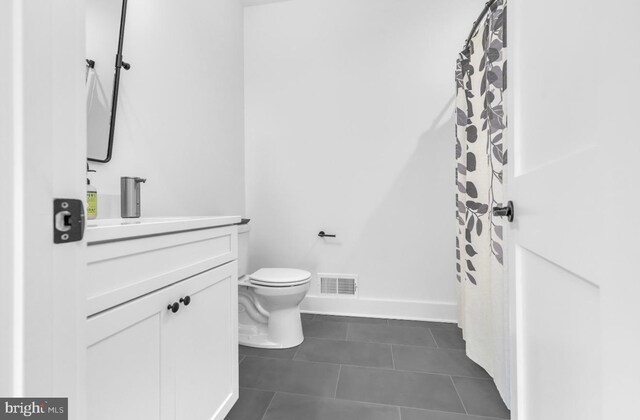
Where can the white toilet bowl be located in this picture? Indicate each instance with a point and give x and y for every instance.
(269, 307)
(268, 302)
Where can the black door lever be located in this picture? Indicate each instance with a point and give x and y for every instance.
(507, 211)
(324, 235)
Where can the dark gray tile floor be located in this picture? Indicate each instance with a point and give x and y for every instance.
(351, 368)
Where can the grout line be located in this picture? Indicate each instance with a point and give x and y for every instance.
(409, 407)
(434, 337)
(266, 357)
(325, 338)
(365, 342)
(393, 362)
(462, 402)
(431, 347)
(297, 350)
(475, 417)
(385, 369)
(399, 412)
(412, 371)
(397, 344)
(429, 323)
(372, 342)
(320, 397)
(284, 392)
(268, 406)
(437, 327)
(444, 374)
(359, 341)
(335, 394)
(291, 360)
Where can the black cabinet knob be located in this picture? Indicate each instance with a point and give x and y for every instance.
(186, 300)
(173, 307)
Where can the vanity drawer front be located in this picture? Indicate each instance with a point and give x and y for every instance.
(123, 270)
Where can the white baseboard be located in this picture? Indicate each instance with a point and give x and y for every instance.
(378, 308)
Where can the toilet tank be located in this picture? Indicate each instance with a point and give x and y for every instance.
(243, 249)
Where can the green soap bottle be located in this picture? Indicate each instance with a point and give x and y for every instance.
(92, 201)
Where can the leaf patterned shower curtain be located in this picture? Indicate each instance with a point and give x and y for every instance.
(481, 156)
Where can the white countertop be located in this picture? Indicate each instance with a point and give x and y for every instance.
(100, 230)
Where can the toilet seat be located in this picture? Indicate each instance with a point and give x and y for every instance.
(269, 308)
(279, 277)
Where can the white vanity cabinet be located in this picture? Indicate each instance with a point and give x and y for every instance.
(145, 361)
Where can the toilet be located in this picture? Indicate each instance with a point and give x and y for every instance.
(269, 302)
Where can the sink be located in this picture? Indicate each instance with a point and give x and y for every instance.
(137, 221)
(100, 230)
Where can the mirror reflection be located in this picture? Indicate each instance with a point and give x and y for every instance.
(104, 43)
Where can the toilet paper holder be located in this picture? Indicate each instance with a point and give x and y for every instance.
(325, 235)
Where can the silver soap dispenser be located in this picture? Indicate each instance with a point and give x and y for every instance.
(130, 196)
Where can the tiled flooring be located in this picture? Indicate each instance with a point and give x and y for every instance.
(367, 369)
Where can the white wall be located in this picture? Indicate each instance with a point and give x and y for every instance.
(180, 111)
(349, 129)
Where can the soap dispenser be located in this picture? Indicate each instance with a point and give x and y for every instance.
(130, 196)
(92, 198)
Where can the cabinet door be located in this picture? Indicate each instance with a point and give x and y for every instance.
(125, 362)
(205, 340)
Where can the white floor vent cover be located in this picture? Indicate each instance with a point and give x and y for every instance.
(338, 284)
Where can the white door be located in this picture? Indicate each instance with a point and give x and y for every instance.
(42, 157)
(573, 91)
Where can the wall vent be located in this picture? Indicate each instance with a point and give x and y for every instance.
(338, 284)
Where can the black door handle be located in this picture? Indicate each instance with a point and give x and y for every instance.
(507, 211)
(173, 307)
(324, 235)
(186, 300)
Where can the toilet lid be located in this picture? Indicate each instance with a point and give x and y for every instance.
(280, 277)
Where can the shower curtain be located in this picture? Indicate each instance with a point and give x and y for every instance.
(481, 157)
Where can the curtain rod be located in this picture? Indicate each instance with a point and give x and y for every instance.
(478, 21)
